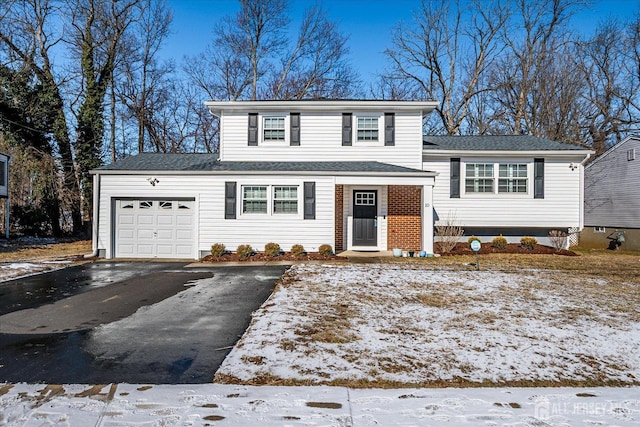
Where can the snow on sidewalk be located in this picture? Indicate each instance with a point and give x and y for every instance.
(230, 405)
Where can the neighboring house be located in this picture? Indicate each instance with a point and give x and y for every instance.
(352, 174)
(4, 189)
(612, 198)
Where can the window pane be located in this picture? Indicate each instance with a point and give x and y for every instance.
(367, 128)
(513, 178)
(274, 128)
(285, 200)
(479, 178)
(254, 199)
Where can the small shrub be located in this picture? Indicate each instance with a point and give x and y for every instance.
(325, 250)
(217, 249)
(528, 242)
(472, 238)
(558, 239)
(272, 249)
(244, 251)
(499, 242)
(448, 234)
(297, 250)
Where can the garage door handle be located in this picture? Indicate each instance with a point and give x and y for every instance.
(155, 234)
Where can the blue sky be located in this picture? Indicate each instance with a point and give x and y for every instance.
(368, 23)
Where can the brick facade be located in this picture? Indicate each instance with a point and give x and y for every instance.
(404, 223)
(339, 219)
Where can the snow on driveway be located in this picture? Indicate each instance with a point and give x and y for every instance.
(397, 325)
(15, 270)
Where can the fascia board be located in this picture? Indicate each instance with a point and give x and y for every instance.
(417, 174)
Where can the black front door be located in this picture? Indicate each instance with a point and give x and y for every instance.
(365, 214)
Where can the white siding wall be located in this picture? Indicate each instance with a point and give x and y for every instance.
(612, 188)
(211, 226)
(559, 208)
(321, 140)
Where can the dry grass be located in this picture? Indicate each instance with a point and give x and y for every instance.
(18, 251)
(338, 317)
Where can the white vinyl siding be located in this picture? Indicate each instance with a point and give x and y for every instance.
(210, 225)
(612, 192)
(321, 140)
(561, 206)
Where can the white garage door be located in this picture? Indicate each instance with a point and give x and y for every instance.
(155, 228)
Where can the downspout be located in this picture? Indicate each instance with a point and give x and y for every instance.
(96, 217)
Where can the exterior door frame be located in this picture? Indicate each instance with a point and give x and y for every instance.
(381, 214)
(365, 232)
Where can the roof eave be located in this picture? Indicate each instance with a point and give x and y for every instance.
(217, 107)
(488, 153)
(425, 174)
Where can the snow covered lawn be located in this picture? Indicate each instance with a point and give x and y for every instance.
(390, 325)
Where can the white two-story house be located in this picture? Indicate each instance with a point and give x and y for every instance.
(357, 175)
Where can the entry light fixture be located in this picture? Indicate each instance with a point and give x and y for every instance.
(153, 180)
(573, 166)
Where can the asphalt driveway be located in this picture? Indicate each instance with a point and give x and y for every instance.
(135, 322)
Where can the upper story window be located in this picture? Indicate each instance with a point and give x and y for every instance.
(367, 128)
(512, 178)
(479, 178)
(273, 129)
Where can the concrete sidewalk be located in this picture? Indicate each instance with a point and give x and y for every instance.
(229, 405)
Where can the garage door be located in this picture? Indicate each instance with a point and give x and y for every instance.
(155, 228)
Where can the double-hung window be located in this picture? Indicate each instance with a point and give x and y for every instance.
(367, 128)
(270, 199)
(512, 178)
(254, 199)
(479, 178)
(285, 200)
(273, 128)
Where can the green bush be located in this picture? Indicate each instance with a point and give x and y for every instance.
(325, 250)
(472, 238)
(297, 250)
(528, 242)
(217, 249)
(499, 242)
(244, 251)
(272, 249)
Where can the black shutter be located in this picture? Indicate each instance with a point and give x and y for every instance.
(229, 200)
(3, 173)
(538, 178)
(346, 128)
(309, 200)
(454, 184)
(253, 129)
(294, 138)
(389, 129)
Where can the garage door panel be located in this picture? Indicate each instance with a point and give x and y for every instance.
(155, 228)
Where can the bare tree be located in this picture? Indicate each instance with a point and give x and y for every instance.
(445, 53)
(251, 56)
(533, 36)
(609, 68)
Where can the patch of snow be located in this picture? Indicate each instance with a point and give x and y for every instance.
(407, 325)
(206, 404)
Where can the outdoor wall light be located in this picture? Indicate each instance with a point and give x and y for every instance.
(573, 166)
(153, 180)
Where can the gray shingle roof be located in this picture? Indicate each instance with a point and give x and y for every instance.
(495, 143)
(190, 162)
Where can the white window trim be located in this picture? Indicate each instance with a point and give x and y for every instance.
(287, 129)
(496, 178)
(372, 143)
(270, 202)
